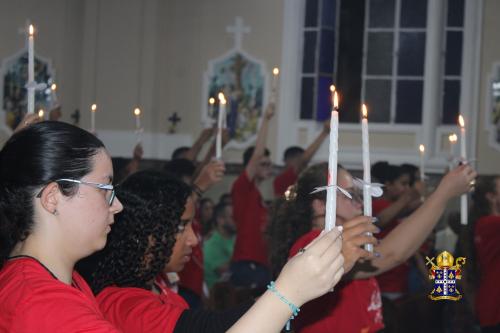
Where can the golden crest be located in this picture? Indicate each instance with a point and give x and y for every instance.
(445, 275)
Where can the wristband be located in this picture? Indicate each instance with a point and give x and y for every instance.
(295, 309)
(196, 189)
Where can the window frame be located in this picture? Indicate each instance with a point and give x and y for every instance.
(429, 132)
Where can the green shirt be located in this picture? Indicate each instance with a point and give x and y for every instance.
(217, 252)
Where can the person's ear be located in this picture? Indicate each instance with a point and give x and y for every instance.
(50, 198)
(319, 207)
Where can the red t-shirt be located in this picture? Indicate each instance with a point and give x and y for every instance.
(191, 277)
(353, 306)
(135, 310)
(486, 240)
(396, 279)
(32, 300)
(284, 180)
(250, 215)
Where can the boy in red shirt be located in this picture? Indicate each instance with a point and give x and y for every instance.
(249, 267)
(296, 160)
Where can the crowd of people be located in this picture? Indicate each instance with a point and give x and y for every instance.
(155, 254)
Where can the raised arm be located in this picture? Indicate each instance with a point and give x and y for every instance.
(195, 149)
(321, 262)
(260, 144)
(397, 208)
(406, 238)
(313, 147)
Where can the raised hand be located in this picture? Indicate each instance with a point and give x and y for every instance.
(457, 181)
(314, 271)
(210, 174)
(354, 237)
(28, 119)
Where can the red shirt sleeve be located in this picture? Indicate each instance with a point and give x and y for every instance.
(34, 301)
(137, 310)
(284, 180)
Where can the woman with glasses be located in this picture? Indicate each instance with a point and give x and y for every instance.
(57, 206)
(355, 306)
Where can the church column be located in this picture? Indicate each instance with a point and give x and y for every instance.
(431, 106)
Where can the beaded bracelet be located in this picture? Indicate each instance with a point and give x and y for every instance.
(196, 189)
(295, 309)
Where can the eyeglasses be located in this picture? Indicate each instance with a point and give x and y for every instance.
(356, 195)
(107, 187)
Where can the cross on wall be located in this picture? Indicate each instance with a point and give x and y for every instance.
(238, 29)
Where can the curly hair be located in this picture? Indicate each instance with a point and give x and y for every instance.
(290, 219)
(31, 159)
(141, 241)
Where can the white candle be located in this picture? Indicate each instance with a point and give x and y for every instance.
(31, 69)
(41, 114)
(331, 193)
(463, 156)
(53, 88)
(220, 125)
(274, 85)
(452, 138)
(137, 113)
(367, 198)
(421, 148)
(93, 110)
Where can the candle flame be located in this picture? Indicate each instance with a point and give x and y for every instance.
(41, 113)
(332, 88)
(211, 100)
(461, 121)
(364, 111)
(276, 71)
(31, 30)
(453, 138)
(53, 87)
(137, 112)
(421, 148)
(222, 98)
(335, 100)
(93, 108)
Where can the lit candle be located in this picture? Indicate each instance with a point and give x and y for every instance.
(31, 69)
(367, 198)
(93, 110)
(463, 156)
(274, 84)
(137, 113)
(41, 114)
(53, 88)
(211, 102)
(421, 148)
(220, 121)
(452, 138)
(331, 193)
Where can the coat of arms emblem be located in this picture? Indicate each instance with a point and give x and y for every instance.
(445, 275)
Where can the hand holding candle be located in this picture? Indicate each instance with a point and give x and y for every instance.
(220, 122)
(331, 193)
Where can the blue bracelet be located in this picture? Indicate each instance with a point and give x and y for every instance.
(295, 309)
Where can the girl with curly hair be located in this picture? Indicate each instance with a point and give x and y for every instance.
(57, 205)
(355, 306)
(154, 236)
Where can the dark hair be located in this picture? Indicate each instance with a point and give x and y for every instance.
(292, 152)
(180, 167)
(225, 198)
(219, 211)
(247, 155)
(179, 152)
(147, 227)
(290, 219)
(385, 172)
(31, 159)
(410, 170)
